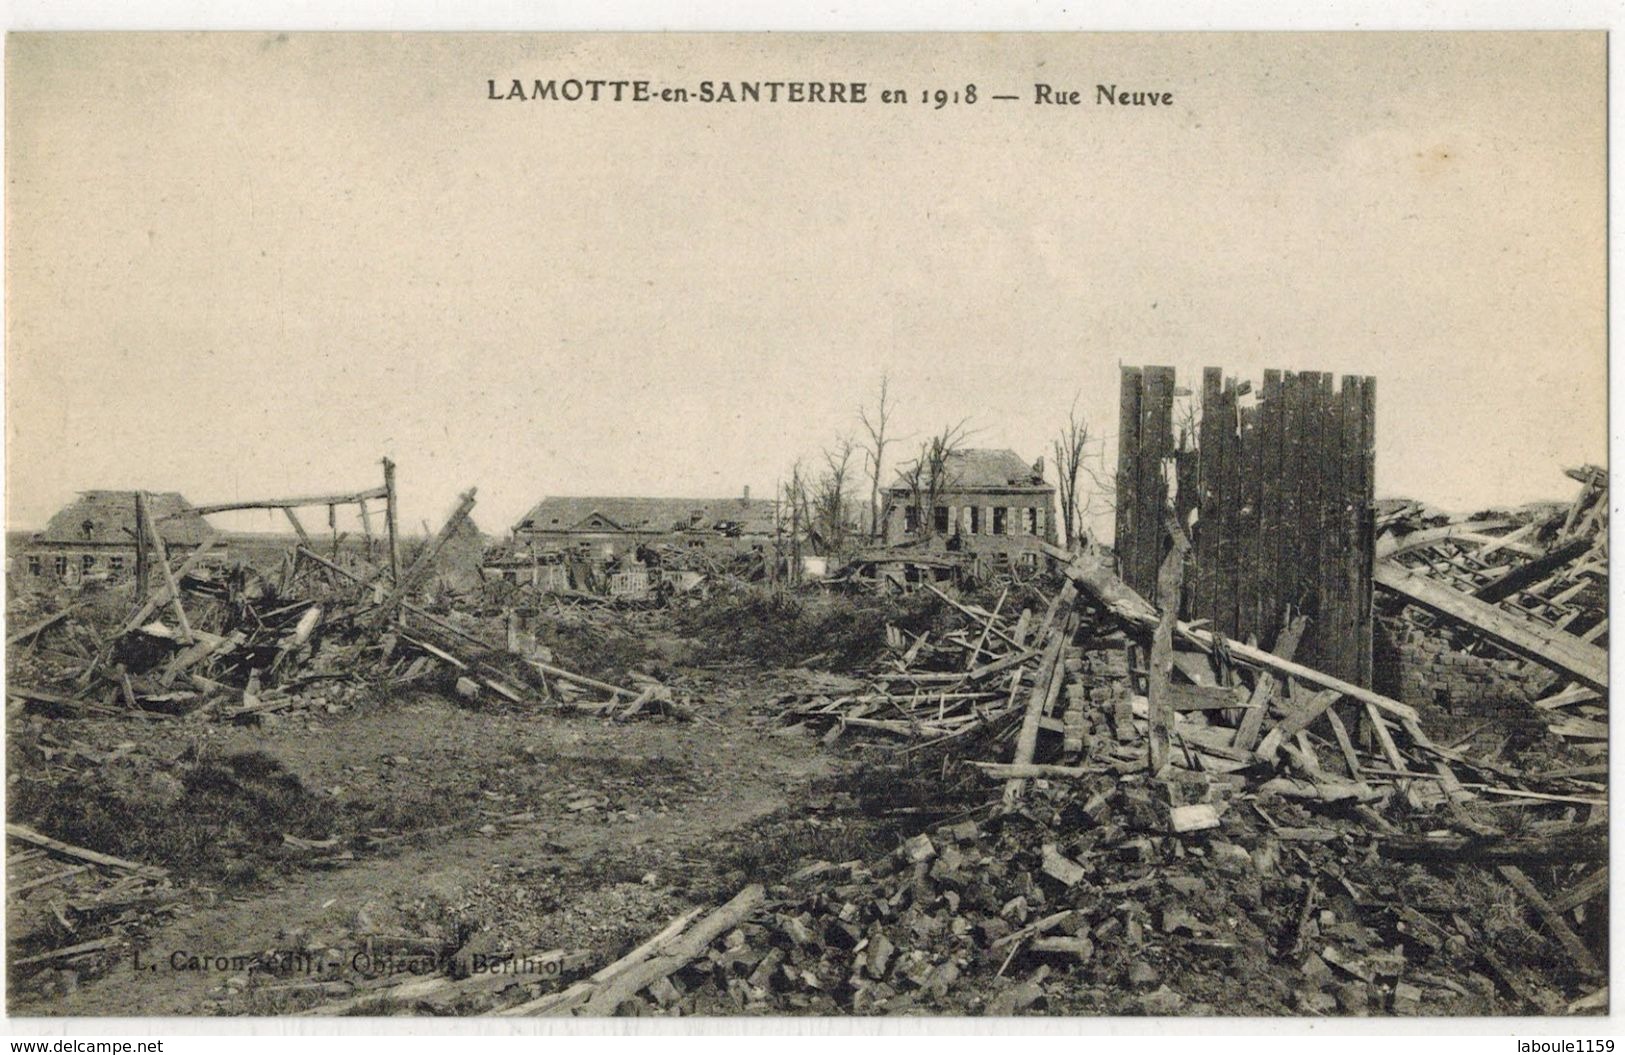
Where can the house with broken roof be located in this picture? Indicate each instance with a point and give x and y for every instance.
(983, 502)
(94, 536)
(604, 527)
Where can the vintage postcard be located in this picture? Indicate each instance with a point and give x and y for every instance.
(743, 525)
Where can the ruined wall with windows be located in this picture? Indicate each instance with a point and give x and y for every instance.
(975, 521)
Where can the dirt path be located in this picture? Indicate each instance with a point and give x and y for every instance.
(661, 795)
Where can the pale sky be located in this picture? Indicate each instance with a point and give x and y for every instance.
(247, 265)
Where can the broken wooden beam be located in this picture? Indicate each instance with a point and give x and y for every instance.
(1553, 649)
(1160, 664)
(29, 835)
(1578, 844)
(1553, 920)
(1106, 589)
(283, 503)
(692, 943)
(1264, 688)
(425, 563)
(169, 576)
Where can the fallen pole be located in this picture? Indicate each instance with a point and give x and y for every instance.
(1095, 579)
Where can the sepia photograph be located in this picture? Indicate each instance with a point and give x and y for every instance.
(754, 525)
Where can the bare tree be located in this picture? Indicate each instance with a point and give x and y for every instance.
(927, 477)
(874, 455)
(1071, 448)
(832, 519)
(795, 501)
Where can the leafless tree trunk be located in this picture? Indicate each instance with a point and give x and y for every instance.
(831, 508)
(1071, 448)
(795, 495)
(874, 455)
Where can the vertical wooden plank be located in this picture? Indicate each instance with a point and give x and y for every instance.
(143, 580)
(1334, 594)
(1249, 562)
(1156, 444)
(1309, 497)
(1160, 665)
(1207, 525)
(1350, 508)
(1269, 513)
(1224, 602)
(1338, 648)
(1352, 518)
(1126, 532)
(1368, 437)
(1290, 481)
(1315, 519)
(391, 522)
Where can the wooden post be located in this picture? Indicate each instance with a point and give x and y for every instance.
(421, 567)
(1160, 666)
(366, 529)
(1125, 539)
(155, 601)
(298, 528)
(1046, 685)
(169, 577)
(391, 522)
(143, 570)
(1210, 462)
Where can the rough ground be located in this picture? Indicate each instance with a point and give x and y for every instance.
(595, 832)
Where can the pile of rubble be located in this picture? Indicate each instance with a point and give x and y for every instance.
(937, 689)
(1515, 603)
(1227, 822)
(233, 644)
(56, 888)
(1086, 898)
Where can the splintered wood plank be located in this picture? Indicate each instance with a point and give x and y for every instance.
(1291, 482)
(1127, 539)
(1299, 718)
(1552, 918)
(1159, 669)
(1286, 646)
(1553, 649)
(162, 552)
(29, 835)
(1207, 525)
(1335, 648)
(1156, 445)
(1271, 608)
(1593, 886)
(1368, 526)
(1249, 562)
(1344, 744)
(1350, 512)
(1224, 601)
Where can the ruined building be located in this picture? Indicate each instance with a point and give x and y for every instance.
(94, 537)
(985, 502)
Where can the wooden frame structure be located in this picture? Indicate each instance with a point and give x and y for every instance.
(1276, 493)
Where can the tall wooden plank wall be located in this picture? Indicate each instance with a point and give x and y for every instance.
(1283, 509)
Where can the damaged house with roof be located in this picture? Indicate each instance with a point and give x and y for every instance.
(985, 502)
(587, 532)
(605, 528)
(95, 536)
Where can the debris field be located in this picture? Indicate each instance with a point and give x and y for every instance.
(1040, 793)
